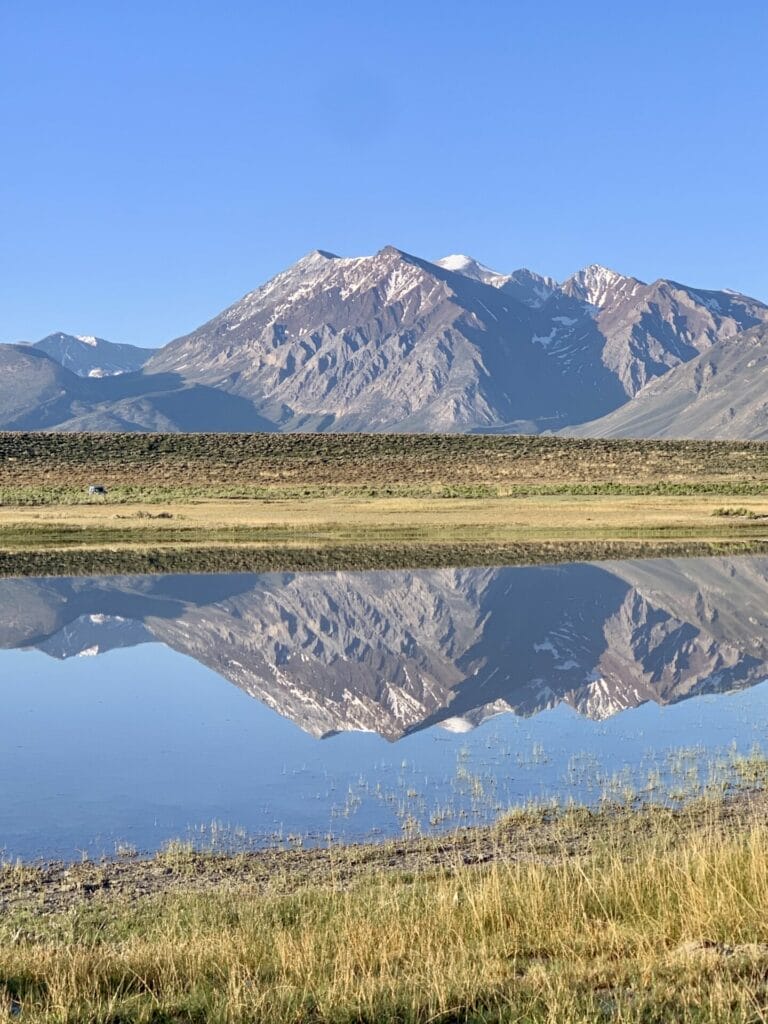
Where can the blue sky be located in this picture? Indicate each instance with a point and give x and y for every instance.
(160, 159)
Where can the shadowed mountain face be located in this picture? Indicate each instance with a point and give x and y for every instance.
(392, 342)
(722, 394)
(37, 393)
(394, 652)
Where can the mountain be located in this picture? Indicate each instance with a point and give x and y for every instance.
(37, 393)
(723, 393)
(529, 288)
(395, 652)
(642, 331)
(87, 356)
(376, 343)
(601, 287)
(393, 342)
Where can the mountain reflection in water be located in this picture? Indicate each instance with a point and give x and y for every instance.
(395, 652)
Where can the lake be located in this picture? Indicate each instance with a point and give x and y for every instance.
(234, 710)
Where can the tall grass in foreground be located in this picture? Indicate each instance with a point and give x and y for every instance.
(650, 924)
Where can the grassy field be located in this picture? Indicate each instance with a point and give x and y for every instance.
(367, 533)
(578, 916)
(418, 494)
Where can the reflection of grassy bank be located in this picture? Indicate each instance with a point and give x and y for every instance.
(346, 533)
(637, 915)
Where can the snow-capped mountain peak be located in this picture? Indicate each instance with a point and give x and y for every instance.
(467, 266)
(317, 257)
(598, 285)
(458, 262)
(525, 285)
(529, 287)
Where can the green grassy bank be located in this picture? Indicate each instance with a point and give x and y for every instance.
(111, 559)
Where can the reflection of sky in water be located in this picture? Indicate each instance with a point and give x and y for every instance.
(140, 744)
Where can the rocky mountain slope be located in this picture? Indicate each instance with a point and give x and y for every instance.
(648, 329)
(87, 356)
(377, 343)
(723, 393)
(394, 342)
(394, 652)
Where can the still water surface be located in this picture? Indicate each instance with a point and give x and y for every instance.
(239, 708)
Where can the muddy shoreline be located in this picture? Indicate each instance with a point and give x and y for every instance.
(540, 834)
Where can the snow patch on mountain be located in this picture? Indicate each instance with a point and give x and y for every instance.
(469, 267)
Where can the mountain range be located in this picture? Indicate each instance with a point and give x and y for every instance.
(396, 652)
(393, 342)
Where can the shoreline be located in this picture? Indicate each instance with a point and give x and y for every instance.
(539, 833)
(631, 914)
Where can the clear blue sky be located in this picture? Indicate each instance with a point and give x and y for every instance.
(159, 159)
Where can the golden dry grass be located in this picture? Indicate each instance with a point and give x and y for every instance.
(638, 926)
(511, 518)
